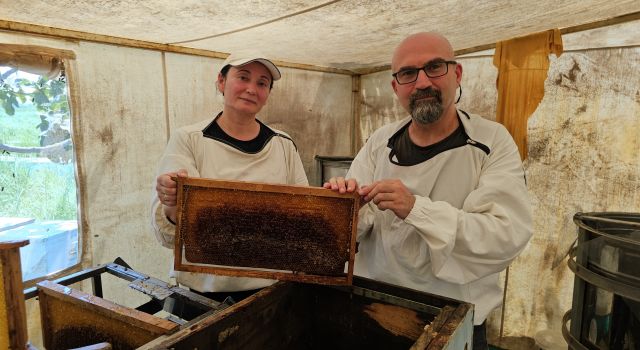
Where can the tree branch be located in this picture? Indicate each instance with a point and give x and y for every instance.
(16, 149)
(8, 73)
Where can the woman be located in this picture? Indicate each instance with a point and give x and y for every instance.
(233, 146)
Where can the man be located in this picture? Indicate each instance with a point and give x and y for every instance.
(446, 207)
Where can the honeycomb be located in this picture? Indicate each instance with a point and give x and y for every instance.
(268, 230)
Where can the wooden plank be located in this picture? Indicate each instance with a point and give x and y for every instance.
(65, 311)
(13, 315)
(265, 320)
(17, 50)
(12, 244)
(442, 331)
(249, 229)
(431, 331)
(261, 187)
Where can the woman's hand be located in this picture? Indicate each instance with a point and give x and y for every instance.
(167, 191)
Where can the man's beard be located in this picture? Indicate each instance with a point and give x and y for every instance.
(426, 111)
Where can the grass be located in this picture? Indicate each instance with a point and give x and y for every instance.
(31, 186)
(21, 128)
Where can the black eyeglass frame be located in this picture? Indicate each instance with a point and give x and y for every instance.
(423, 68)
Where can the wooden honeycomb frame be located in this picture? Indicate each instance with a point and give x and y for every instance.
(283, 232)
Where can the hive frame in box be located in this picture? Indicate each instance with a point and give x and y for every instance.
(205, 203)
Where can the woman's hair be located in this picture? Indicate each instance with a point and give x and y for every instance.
(226, 68)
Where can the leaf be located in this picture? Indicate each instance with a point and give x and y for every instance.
(56, 89)
(39, 97)
(43, 126)
(13, 100)
(8, 108)
(61, 106)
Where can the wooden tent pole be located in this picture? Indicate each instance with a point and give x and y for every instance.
(13, 315)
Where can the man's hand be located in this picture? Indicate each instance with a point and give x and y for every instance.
(167, 191)
(389, 194)
(342, 185)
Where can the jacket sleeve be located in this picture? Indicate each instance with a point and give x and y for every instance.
(177, 155)
(493, 226)
(362, 168)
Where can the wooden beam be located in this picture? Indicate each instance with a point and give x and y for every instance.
(75, 35)
(13, 315)
(39, 50)
(567, 30)
(356, 102)
(633, 16)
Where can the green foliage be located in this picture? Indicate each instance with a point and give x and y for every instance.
(22, 128)
(42, 191)
(32, 186)
(48, 95)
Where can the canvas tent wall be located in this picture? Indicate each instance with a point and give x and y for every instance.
(121, 124)
(583, 137)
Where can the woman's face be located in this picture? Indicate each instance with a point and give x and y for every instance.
(245, 88)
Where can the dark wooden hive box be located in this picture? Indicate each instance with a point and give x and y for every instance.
(72, 318)
(300, 316)
(284, 232)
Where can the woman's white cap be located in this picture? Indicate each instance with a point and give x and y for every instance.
(237, 60)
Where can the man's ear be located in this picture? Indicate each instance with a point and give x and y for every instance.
(458, 73)
(394, 85)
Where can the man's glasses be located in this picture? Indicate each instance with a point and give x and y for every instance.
(432, 70)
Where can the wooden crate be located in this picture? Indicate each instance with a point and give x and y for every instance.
(365, 315)
(72, 319)
(261, 230)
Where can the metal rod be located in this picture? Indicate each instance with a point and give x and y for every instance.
(568, 337)
(612, 221)
(392, 299)
(504, 301)
(625, 290)
(67, 280)
(97, 285)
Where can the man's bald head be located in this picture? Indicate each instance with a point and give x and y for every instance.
(422, 42)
